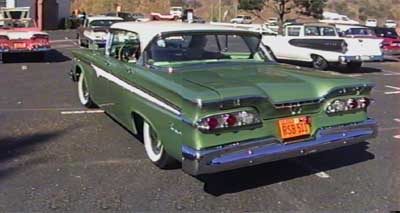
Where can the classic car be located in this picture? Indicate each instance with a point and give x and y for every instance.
(163, 17)
(242, 19)
(391, 40)
(94, 30)
(390, 24)
(321, 45)
(371, 23)
(212, 98)
(19, 34)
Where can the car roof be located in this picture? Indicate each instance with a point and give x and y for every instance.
(94, 18)
(148, 30)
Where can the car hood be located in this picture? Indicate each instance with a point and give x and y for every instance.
(278, 83)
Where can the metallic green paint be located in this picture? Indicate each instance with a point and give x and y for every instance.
(190, 88)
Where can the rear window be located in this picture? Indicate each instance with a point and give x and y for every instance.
(294, 31)
(319, 31)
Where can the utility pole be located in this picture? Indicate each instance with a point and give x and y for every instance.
(220, 11)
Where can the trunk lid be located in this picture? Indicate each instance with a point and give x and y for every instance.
(278, 83)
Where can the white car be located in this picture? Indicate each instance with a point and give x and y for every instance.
(335, 18)
(321, 45)
(371, 23)
(177, 11)
(94, 30)
(390, 24)
(242, 19)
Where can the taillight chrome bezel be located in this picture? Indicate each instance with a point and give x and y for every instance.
(339, 106)
(230, 121)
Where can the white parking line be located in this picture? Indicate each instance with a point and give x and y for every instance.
(62, 41)
(82, 112)
(392, 92)
(396, 136)
(389, 73)
(397, 120)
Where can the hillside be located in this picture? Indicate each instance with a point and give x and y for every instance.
(209, 9)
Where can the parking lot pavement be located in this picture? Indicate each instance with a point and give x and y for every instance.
(56, 155)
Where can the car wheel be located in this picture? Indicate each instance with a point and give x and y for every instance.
(354, 66)
(320, 63)
(155, 149)
(83, 92)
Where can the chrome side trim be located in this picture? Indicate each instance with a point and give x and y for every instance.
(258, 151)
(102, 73)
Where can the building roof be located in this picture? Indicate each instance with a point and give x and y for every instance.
(148, 30)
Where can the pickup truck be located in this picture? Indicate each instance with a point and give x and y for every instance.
(321, 45)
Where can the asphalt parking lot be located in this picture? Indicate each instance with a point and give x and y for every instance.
(56, 155)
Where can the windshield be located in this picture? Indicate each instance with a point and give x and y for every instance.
(103, 23)
(195, 48)
(5, 24)
(359, 31)
(319, 31)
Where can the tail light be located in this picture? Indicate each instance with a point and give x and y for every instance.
(348, 105)
(229, 121)
(4, 42)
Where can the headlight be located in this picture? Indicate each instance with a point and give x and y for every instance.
(229, 121)
(346, 105)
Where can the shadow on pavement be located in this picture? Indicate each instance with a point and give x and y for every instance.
(53, 56)
(280, 171)
(12, 148)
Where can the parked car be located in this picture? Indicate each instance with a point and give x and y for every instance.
(371, 23)
(390, 24)
(177, 11)
(335, 18)
(242, 19)
(126, 16)
(359, 32)
(21, 35)
(163, 17)
(217, 107)
(391, 40)
(264, 30)
(94, 30)
(321, 45)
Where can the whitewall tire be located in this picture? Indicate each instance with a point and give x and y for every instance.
(154, 148)
(83, 92)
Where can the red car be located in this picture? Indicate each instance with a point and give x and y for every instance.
(22, 35)
(391, 40)
(163, 17)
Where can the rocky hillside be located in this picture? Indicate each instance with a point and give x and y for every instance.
(209, 9)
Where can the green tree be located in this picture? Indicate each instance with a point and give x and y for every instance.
(313, 8)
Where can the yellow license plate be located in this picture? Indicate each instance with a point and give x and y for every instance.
(19, 45)
(294, 127)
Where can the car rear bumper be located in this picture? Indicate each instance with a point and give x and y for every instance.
(347, 59)
(41, 49)
(392, 51)
(248, 153)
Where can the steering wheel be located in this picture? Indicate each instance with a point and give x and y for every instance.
(126, 51)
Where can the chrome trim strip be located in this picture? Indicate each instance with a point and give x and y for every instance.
(102, 73)
(258, 151)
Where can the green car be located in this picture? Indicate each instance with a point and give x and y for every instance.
(211, 98)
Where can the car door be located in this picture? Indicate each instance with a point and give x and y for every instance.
(121, 61)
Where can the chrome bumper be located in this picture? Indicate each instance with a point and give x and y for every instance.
(347, 59)
(248, 153)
